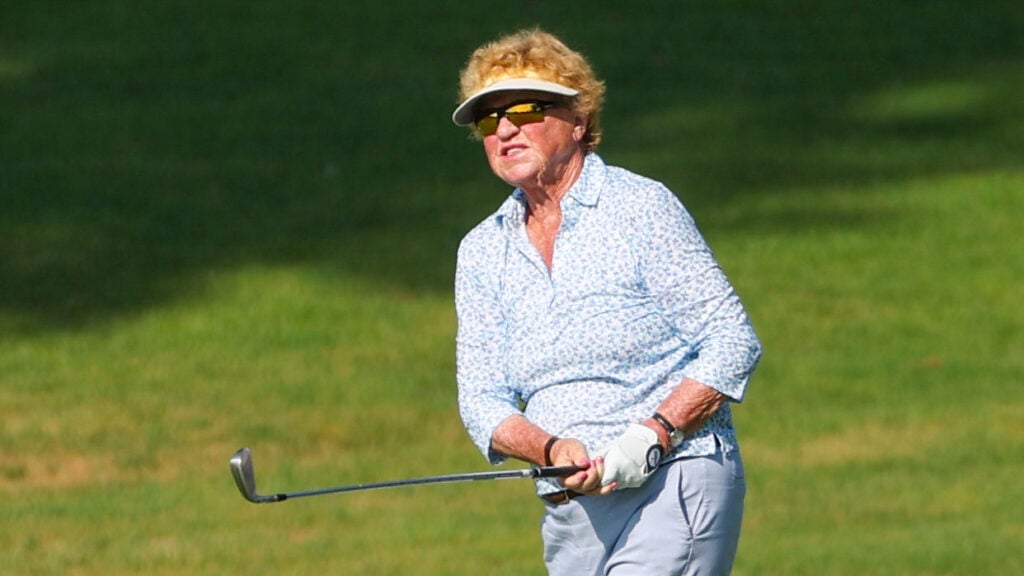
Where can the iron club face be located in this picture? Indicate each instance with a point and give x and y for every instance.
(245, 477)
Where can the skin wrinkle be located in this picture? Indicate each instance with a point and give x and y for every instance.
(690, 405)
(549, 158)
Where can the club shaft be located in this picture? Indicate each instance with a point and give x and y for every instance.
(545, 472)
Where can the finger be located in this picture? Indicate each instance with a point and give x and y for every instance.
(576, 480)
(580, 481)
(593, 481)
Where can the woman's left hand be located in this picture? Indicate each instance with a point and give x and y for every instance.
(633, 457)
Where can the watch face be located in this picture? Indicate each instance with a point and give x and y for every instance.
(653, 458)
(677, 438)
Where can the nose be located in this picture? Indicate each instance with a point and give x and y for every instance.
(506, 128)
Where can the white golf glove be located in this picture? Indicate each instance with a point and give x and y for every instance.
(632, 457)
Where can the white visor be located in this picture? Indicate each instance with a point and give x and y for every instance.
(464, 114)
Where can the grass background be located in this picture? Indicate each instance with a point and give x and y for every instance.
(234, 223)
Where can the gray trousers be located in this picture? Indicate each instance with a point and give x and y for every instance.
(684, 520)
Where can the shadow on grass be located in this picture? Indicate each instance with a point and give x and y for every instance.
(143, 148)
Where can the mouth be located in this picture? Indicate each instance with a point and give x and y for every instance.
(513, 150)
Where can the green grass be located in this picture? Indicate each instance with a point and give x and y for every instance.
(235, 223)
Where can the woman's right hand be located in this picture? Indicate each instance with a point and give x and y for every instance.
(571, 452)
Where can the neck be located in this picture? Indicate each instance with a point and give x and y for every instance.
(552, 185)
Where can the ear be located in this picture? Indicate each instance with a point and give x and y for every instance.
(579, 128)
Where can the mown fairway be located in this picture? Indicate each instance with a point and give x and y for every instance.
(234, 223)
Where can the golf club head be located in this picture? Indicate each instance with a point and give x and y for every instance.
(245, 478)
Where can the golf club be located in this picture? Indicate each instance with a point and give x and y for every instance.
(245, 479)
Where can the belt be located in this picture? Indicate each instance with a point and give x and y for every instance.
(560, 497)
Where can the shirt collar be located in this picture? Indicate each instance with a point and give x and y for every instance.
(586, 191)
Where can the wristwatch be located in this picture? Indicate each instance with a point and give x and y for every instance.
(675, 435)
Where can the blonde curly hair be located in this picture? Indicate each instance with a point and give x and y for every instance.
(533, 53)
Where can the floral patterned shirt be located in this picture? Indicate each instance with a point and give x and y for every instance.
(633, 303)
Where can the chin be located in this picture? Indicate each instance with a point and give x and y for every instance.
(518, 174)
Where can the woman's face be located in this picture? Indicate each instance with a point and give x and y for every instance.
(536, 155)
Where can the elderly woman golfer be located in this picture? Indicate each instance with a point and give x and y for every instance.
(596, 328)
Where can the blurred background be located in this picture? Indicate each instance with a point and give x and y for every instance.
(234, 223)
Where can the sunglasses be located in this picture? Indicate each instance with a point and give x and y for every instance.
(519, 114)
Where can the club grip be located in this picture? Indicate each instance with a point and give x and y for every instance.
(555, 471)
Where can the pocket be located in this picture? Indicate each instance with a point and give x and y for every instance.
(735, 462)
(688, 482)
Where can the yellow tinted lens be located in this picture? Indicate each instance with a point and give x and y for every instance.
(518, 114)
(524, 114)
(488, 124)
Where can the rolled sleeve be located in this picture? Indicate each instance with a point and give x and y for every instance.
(726, 361)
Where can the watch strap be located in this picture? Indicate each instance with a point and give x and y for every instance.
(675, 435)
